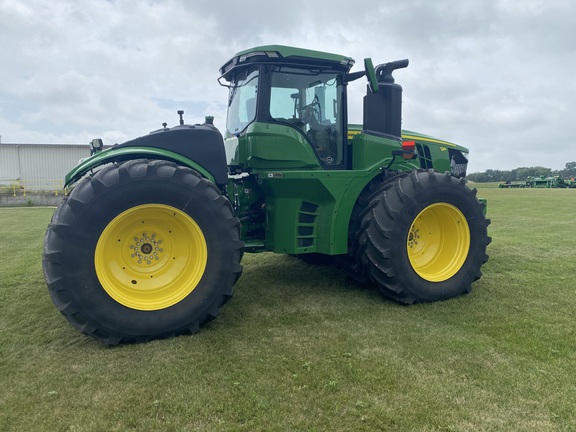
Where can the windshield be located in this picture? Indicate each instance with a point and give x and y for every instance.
(310, 101)
(242, 101)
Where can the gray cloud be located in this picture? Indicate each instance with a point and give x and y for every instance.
(494, 75)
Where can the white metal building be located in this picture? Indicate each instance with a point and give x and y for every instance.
(38, 166)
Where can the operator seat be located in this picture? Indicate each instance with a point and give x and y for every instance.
(250, 108)
(321, 135)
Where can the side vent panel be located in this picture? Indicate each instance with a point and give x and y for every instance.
(424, 156)
(306, 229)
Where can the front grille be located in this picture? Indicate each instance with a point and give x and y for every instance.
(458, 163)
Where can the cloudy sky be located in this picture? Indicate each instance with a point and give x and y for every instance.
(497, 76)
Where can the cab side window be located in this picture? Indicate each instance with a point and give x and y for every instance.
(310, 101)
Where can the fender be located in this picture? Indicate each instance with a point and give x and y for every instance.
(200, 147)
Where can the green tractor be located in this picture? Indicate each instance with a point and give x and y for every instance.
(148, 242)
(552, 182)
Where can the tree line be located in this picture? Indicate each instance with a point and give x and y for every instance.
(521, 174)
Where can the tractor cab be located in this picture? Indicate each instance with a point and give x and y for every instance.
(296, 98)
(287, 110)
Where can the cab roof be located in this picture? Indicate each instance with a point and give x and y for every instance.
(281, 54)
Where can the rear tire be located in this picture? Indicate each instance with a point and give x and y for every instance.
(142, 250)
(352, 261)
(423, 237)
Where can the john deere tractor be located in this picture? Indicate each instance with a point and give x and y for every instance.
(148, 242)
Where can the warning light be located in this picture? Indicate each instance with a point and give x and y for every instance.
(408, 147)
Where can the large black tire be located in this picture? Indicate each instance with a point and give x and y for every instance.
(423, 237)
(142, 250)
(352, 261)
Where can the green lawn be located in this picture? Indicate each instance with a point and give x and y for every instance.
(300, 348)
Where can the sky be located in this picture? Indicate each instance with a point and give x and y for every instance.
(496, 76)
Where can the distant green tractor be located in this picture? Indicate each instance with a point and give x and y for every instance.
(539, 182)
(514, 184)
(547, 182)
(149, 240)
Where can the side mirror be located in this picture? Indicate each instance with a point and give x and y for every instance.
(371, 75)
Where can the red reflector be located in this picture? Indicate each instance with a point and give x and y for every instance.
(408, 145)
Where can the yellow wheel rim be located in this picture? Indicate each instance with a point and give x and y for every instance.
(438, 242)
(150, 257)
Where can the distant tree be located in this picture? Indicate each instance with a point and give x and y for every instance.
(523, 173)
(490, 175)
(476, 177)
(520, 174)
(569, 170)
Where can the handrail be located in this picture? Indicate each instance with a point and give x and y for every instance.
(18, 186)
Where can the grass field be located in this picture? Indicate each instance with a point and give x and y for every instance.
(299, 348)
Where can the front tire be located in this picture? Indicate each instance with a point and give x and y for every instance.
(423, 237)
(142, 250)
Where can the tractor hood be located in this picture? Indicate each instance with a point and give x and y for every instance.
(199, 147)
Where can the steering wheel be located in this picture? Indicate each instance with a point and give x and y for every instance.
(310, 114)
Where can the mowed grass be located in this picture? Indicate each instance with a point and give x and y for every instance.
(300, 348)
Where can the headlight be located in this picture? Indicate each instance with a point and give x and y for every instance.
(96, 145)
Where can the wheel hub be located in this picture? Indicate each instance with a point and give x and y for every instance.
(146, 248)
(413, 237)
(150, 257)
(438, 242)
